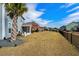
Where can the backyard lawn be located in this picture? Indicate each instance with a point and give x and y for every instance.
(42, 43)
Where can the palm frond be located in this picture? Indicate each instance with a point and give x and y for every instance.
(15, 9)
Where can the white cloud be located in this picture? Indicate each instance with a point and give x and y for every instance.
(69, 19)
(31, 6)
(66, 5)
(69, 4)
(41, 22)
(33, 15)
(73, 9)
(42, 9)
(76, 14)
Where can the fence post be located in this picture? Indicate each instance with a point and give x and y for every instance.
(71, 38)
(67, 35)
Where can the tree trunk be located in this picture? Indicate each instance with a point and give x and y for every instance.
(14, 29)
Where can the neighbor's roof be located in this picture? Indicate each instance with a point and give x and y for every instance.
(30, 23)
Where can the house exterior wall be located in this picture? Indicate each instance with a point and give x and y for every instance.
(3, 22)
(26, 29)
(9, 27)
(72, 26)
(63, 28)
(0, 21)
(19, 24)
(6, 23)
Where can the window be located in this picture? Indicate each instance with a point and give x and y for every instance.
(27, 28)
(9, 30)
(16, 30)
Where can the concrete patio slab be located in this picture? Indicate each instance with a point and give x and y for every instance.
(7, 43)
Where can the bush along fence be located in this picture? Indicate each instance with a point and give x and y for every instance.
(72, 37)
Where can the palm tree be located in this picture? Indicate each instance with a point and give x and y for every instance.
(15, 10)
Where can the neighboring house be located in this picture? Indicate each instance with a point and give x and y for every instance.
(30, 27)
(41, 29)
(55, 29)
(46, 28)
(6, 23)
(63, 28)
(26, 28)
(71, 26)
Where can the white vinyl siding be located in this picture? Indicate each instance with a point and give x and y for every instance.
(0, 21)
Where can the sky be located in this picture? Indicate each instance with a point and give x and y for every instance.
(52, 14)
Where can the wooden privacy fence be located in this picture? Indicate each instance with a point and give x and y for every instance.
(72, 37)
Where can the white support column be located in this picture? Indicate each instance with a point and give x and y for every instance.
(30, 29)
(3, 21)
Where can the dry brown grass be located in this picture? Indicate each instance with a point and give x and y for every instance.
(42, 43)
